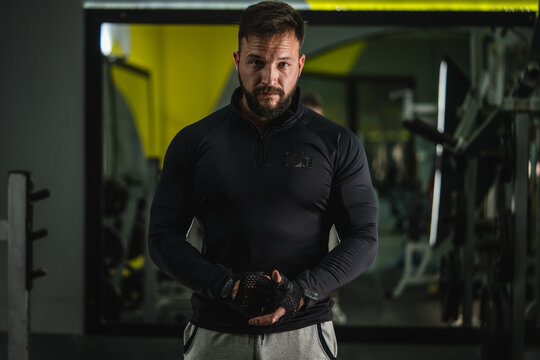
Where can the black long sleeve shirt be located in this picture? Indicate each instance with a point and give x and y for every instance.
(264, 202)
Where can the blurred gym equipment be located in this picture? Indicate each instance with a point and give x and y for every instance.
(491, 157)
(125, 194)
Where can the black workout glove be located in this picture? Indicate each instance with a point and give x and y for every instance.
(288, 295)
(254, 293)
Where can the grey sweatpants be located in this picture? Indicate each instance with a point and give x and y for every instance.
(315, 342)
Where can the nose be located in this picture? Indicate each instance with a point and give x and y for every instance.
(269, 75)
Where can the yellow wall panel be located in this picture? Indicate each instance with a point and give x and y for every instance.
(337, 61)
(147, 53)
(197, 65)
(134, 88)
(189, 67)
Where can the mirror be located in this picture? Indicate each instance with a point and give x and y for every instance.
(369, 79)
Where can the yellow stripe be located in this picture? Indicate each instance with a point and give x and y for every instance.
(133, 264)
(338, 61)
(136, 263)
(404, 5)
(390, 135)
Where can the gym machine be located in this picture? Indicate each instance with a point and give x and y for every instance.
(494, 162)
(413, 274)
(17, 230)
(125, 201)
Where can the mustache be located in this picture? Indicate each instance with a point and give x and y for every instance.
(268, 89)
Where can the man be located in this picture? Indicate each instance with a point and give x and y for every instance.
(266, 178)
(314, 102)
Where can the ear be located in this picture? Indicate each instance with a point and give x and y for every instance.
(301, 62)
(236, 57)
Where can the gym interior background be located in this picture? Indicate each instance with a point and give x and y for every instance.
(93, 92)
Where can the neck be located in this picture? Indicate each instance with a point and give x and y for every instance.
(260, 123)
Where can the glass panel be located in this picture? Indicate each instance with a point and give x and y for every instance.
(166, 79)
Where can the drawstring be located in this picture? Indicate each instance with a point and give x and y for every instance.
(262, 339)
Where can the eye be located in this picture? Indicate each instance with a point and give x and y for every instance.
(255, 62)
(284, 64)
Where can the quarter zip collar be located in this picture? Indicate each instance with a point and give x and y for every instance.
(291, 115)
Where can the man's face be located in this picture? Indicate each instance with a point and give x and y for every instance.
(268, 70)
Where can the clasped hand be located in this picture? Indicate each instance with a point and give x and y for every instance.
(264, 299)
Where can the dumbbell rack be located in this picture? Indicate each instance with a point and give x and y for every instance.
(17, 230)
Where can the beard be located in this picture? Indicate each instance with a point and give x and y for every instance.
(264, 108)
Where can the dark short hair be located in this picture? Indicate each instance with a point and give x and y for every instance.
(269, 18)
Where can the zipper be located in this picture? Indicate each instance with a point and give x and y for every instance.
(261, 143)
(261, 147)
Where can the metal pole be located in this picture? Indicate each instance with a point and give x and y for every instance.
(4, 227)
(18, 315)
(520, 240)
(469, 244)
(536, 179)
(537, 230)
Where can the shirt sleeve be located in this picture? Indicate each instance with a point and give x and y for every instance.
(353, 207)
(171, 215)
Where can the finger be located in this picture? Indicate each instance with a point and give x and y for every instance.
(264, 320)
(278, 314)
(276, 276)
(235, 289)
(268, 319)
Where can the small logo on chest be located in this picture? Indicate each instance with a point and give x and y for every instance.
(298, 160)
